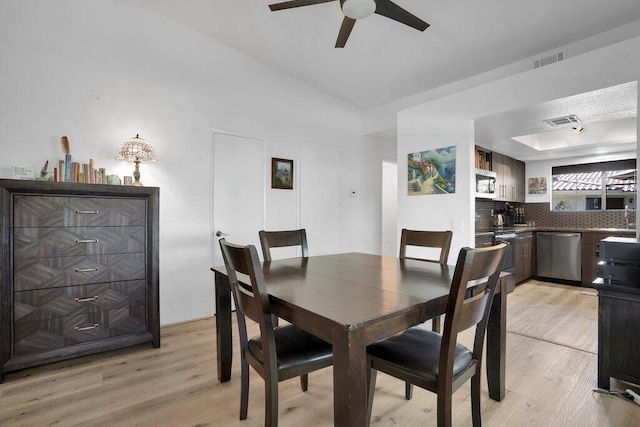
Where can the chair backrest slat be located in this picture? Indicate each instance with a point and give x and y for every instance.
(427, 239)
(251, 298)
(280, 239)
(465, 310)
(472, 311)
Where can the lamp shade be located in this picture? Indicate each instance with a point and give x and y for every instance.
(358, 9)
(136, 150)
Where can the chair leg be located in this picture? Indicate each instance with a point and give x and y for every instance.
(408, 390)
(244, 388)
(475, 401)
(435, 324)
(371, 381)
(271, 402)
(304, 382)
(444, 409)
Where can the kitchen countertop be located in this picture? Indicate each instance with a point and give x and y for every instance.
(524, 228)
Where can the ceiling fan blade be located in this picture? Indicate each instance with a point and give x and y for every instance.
(392, 11)
(295, 3)
(345, 30)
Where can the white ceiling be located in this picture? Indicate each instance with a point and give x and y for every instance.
(608, 116)
(384, 60)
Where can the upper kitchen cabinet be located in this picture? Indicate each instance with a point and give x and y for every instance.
(510, 178)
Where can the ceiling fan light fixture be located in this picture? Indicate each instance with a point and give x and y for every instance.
(358, 9)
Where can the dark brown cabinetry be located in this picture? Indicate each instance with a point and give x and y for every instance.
(618, 287)
(510, 179)
(525, 256)
(79, 270)
(590, 249)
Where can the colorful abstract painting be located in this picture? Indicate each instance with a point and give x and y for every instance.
(432, 172)
(538, 185)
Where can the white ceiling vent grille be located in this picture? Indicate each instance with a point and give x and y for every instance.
(558, 56)
(564, 120)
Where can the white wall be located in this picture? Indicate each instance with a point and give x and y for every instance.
(100, 72)
(449, 121)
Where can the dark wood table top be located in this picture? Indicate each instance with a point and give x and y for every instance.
(369, 286)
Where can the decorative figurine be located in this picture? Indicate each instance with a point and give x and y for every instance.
(44, 175)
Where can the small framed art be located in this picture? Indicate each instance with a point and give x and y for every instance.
(282, 174)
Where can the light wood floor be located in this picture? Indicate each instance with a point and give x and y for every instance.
(551, 372)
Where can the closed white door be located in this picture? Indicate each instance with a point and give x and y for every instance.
(238, 199)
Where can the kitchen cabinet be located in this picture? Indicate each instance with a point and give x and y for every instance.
(510, 178)
(525, 256)
(79, 266)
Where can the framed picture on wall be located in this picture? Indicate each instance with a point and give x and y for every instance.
(538, 185)
(282, 174)
(432, 172)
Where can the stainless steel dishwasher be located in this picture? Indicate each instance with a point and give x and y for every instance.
(559, 256)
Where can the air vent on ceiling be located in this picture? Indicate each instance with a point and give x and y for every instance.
(564, 120)
(558, 56)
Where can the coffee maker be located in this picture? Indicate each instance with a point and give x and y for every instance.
(509, 215)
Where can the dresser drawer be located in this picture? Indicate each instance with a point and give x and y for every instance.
(55, 242)
(48, 334)
(47, 304)
(40, 273)
(57, 211)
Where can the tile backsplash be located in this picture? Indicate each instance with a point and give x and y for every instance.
(545, 217)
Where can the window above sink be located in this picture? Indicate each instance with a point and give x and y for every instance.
(594, 186)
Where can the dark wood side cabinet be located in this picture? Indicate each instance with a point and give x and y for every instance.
(618, 287)
(78, 270)
(590, 247)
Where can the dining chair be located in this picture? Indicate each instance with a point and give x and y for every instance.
(278, 353)
(436, 362)
(280, 239)
(427, 239)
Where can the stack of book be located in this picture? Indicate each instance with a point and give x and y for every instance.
(482, 159)
(70, 171)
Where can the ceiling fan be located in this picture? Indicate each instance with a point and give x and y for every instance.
(360, 9)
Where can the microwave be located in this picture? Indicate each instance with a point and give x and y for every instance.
(485, 184)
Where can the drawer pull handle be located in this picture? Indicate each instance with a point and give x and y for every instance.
(85, 270)
(86, 212)
(86, 328)
(85, 299)
(86, 240)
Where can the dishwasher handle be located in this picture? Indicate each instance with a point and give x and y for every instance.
(558, 234)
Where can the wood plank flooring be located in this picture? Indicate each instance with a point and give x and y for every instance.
(551, 372)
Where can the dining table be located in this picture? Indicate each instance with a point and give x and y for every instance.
(352, 300)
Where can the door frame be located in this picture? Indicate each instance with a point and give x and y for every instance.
(212, 238)
(382, 204)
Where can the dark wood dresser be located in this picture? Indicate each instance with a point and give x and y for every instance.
(78, 270)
